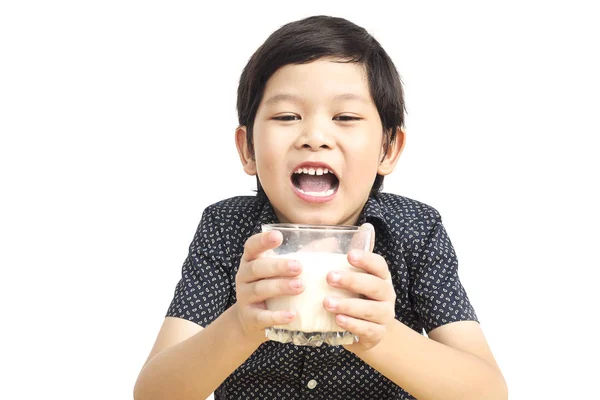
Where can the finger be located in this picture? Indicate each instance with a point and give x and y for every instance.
(263, 268)
(371, 263)
(371, 228)
(265, 318)
(368, 285)
(367, 310)
(259, 243)
(264, 289)
(364, 238)
(268, 254)
(366, 331)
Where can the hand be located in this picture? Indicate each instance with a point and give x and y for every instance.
(260, 278)
(368, 317)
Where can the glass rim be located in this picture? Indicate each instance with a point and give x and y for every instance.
(312, 227)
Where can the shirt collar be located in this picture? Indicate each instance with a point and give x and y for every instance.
(265, 216)
(374, 213)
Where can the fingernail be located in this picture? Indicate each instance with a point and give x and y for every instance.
(332, 302)
(296, 283)
(293, 265)
(272, 236)
(335, 277)
(342, 319)
(289, 315)
(354, 256)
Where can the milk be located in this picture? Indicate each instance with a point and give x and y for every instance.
(311, 316)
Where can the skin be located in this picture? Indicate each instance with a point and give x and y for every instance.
(309, 123)
(315, 126)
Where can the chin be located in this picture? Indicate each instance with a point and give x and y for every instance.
(320, 218)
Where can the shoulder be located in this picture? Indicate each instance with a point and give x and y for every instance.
(403, 211)
(226, 224)
(413, 227)
(233, 209)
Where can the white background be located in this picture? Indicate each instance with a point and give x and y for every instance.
(117, 122)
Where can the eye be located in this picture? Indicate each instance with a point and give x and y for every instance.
(347, 118)
(287, 118)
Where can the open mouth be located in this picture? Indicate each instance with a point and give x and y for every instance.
(315, 181)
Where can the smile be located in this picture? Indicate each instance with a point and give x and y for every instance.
(315, 182)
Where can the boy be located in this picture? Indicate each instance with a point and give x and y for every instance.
(321, 115)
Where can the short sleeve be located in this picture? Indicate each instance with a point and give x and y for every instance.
(436, 288)
(203, 291)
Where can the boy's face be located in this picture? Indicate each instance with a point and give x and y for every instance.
(318, 143)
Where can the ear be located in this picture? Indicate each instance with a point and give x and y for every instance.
(388, 163)
(246, 156)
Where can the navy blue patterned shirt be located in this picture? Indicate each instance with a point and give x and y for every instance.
(410, 237)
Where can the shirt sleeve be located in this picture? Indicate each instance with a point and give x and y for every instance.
(436, 288)
(203, 291)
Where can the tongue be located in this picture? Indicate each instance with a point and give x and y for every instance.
(315, 183)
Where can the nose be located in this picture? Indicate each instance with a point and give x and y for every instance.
(314, 136)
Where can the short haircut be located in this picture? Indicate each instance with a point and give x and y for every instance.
(314, 38)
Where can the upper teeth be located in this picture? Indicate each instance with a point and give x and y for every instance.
(312, 171)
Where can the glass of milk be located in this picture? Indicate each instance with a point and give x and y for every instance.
(319, 249)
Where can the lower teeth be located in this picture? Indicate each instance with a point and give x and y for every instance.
(318, 194)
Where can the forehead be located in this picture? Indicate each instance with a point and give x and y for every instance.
(324, 78)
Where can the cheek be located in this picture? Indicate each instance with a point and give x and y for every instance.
(264, 166)
(365, 150)
(368, 138)
(363, 160)
(267, 158)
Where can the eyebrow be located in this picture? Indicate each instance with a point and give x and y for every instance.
(351, 96)
(281, 97)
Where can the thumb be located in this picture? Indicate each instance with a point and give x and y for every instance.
(369, 227)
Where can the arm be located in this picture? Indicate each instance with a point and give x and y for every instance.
(188, 362)
(454, 363)
(184, 351)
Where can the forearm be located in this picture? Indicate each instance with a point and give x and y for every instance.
(431, 370)
(194, 368)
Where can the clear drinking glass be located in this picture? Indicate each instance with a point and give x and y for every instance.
(319, 249)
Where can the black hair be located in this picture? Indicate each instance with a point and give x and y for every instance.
(317, 37)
